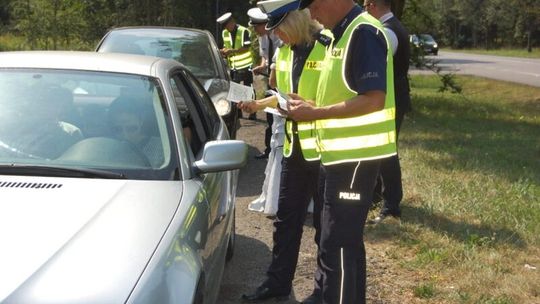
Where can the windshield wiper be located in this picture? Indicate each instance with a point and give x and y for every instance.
(54, 171)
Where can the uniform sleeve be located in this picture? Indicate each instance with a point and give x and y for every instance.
(247, 38)
(392, 39)
(220, 41)
(366, 61)
(263, 46)
(274, 60)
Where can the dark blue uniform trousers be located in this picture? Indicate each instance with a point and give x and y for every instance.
(348, 196)
(298, 185)
(389, 184)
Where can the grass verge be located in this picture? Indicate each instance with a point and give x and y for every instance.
(470, 229)
(501, 52)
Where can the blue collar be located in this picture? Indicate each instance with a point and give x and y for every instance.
(339, 29)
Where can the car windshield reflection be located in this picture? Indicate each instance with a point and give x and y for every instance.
(103, 121)
(190, 48)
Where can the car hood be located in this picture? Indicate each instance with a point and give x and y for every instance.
(66, 240)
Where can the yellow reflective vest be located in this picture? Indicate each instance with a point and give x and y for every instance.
(307, 88)
(364, 137)
(241, 60)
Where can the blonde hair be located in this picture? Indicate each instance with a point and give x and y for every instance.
(299, 27)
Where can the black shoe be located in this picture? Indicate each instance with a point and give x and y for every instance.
(314, 298)
(377, 200)
(382, 216)
(263, 293)
(261, 156)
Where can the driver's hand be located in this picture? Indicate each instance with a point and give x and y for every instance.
(247, 106)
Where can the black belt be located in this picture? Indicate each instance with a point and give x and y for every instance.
(294, 128)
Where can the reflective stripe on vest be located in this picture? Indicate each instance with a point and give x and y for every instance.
(241, 60)
(307, 88)
(364, 137)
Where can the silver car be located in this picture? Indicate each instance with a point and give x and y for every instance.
(117, 181)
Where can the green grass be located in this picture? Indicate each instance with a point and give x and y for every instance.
(425, 291)
(471, 208)
(11, 43)
(500, 52)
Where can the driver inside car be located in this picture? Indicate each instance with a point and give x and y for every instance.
(129, 119)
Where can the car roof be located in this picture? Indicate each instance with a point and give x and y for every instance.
(89, 61)
(159, 28)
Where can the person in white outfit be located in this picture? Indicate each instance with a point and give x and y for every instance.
(268, 200)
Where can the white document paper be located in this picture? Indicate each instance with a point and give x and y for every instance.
(273, 111)
(239, 92)
(283, 100)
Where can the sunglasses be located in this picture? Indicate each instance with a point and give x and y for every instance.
(126, 128)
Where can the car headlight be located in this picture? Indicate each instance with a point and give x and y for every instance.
(435, 45)
(223, 106)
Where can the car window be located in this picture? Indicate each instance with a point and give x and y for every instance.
(191, 48)
(211, 117)
(426, 38)
(85, 119)
(190, 113)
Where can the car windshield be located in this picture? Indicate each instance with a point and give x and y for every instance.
(93, 121)
(193, 49)
(426, 38)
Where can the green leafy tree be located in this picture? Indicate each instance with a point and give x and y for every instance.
(48, 24)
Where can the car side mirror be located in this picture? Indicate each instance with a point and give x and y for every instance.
(222, 155)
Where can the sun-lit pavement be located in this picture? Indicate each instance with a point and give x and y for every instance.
(512, 69)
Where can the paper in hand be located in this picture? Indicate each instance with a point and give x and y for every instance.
(282, 98)
(239, 92)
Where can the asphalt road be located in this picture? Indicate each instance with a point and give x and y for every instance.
(519, 70)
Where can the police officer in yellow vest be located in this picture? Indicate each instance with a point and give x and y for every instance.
(355, 129)
(298, 66)
(236, 49)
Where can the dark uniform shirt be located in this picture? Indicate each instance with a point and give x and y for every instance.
(301, 53)
(366, 60)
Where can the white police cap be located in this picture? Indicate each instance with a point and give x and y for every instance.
(277, 10)
(224, 18)
(256, 16)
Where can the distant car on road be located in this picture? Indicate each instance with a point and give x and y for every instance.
(425, 42)
(196, 49)
(117, 181)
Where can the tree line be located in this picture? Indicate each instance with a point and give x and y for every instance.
(79, 24)
(486, 24)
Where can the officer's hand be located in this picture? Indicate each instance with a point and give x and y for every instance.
(247, 106)
(296, 96)
(300, 110)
